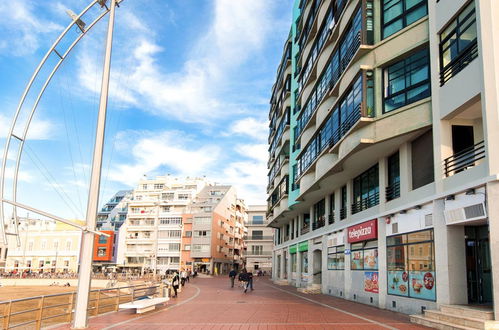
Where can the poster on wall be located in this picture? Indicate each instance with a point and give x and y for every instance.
(398, 282)
(371, 282)
(357, 262)
(422, 285)
(371, 259)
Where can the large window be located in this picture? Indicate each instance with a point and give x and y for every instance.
(336, 257)
(458, 44)
(293, 262)
(407, 81)
(366, 190)
(257, 220)
(397, 14)
(319, 214)
(364, 255)
(411, 265)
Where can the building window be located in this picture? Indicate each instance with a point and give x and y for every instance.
(183, 196)
(187, 247)
(343, 209)
(336, 257)
(101, 252)
(174, 247)
(168, 196)
(257, 220)
(201, 247)
(144, 186)
(331, 208)
(202, 220)
(170, 221)
(202, 233)
(30, 246)
(188, 233)
(319, 214)
(422, 160)
(364, 255)
(257, 250)
(407, 81)
(393, 188)
(56, 245)
(458, 44)
(366, 190)
(257, 234)
(102, 239)
(158, 186)
(397, 14)
(304, 262)
(293, 262)
(411, 270)
(43, 245)
(165, 209)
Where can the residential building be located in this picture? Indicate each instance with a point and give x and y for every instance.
(216, 239)
(150, 238)
(382, 170)
(46, 246)
(113, 213)
(105, 251)
(259, 240)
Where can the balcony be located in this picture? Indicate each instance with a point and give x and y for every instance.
(305, 229)
(258, 253)
(331, 218)
(279, 132)
(459, 63)
(393, 191)
(321, 222)
(365, 203)
(464, 159)
(279, 193)
(258, 238)
(343, 213)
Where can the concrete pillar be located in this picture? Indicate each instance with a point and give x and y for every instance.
(348, 273)
(405, 169)
(300, 224)
(383, 180)
(450, 258)
(288, 266)
(327, 206)
(298, 269)
(382, 264)
(349, 197)
(493, 212)
(282, 269)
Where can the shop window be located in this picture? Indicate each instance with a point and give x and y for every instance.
(397, 14)
(293, 262)
(411, 267)
(364, 255)
(336, 258)
(406, 81)
(304, 262)
(458, 44)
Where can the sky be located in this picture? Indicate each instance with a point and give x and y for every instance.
(189, 95)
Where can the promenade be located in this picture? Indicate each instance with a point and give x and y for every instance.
(209, 303)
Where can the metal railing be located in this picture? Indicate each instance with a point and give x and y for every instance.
(331, 217)
(258, 238)
(459, 63)
(365, 203)
(343, 213)
(464, 159)
(42, 311)
(393, 191)
(320, 222)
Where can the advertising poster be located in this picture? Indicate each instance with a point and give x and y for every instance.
(371, 259)
(371, 282)
(398, 282)
(422, 285)
(357, 261)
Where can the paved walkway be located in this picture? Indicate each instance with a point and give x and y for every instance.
(208, 303)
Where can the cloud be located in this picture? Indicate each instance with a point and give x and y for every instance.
(24, 29)
(251, 127)
(257, 152)
(168, 150)
(39, 129)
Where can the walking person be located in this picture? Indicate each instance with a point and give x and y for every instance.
(244, 278)
(250, 280)
(183, 277)
(232, 276)
(175, 283)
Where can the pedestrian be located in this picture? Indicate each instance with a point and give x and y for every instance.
(250, 280)
(232, 276)
(175, 283)
(244, 279)
(183, 277)
(188, 275)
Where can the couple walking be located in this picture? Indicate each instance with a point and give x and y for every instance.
(244, 277)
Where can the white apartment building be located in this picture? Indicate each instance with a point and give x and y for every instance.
(150, 238)
(383, 167)
(46, 246)
(259, 240)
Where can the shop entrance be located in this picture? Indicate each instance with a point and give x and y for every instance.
(478, 265)
(317, 267)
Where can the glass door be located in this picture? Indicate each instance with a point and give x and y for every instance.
(478, 265)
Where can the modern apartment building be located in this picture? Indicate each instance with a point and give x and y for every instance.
(150, 238)
(259, 240)
(382, 169)
(46, 246)
(217, 227)
(113, 213)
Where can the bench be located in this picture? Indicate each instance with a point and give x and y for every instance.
(144, 305)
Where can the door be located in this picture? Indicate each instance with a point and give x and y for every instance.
(478, 265)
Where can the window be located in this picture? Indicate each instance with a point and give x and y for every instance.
(174, 260)
(170, 221)
(187, 247)
(336, 257)
(183, 196)
(144, 186)
(257, 250)
(410, 260)
(331, 208)
(158, 186)
(201, 247)
(43, 245)
(68, 245)
(257, 234)
(202, 233)
(364, 256)
(174, 247)
(407, 81)
(168, 233)
(343, 209)
(188, 233)
(165, 208)
(397, 14)
(458, 44)
(422, 160)
(167, 196)
(101, 252)
(56, 245)
(319, 214)
(202, 220)
(366, 190)
(393, 188)
(257, 219)
(304, 262)
(293, 262)
(102, 239)
(207, 209)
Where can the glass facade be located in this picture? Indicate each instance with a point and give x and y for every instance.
(397, 14)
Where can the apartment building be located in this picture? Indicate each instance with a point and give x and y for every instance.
(259, 240)
(113, 213)
(46, 246)
(382, 170)
(217, 228)
(150, 238)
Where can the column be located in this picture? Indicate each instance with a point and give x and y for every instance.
(382, 181)
(348, 272)
(324, 277)
(298, 269)
(405, 168)
(327, 206)
(282, 269)
(492, 197)
(382, 264)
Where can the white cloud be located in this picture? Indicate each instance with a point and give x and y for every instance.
(249, 126)
(24, 28)
(257, 152)
(39, 129)
(155, 150)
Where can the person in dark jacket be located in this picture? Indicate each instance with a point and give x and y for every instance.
(244, 277)
(175, 283)
(250, 280)
(232, 276)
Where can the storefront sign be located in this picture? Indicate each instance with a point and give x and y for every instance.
(363, 231)
(292, 249)
(371, 282)
(303, 246)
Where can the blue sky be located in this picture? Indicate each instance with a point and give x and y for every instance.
(190, 85)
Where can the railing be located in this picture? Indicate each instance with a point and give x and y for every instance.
(365, 203)
(42, 311)
(393, 191)
(464, 159)
(258, 253)
(258, 238)
(459, 63)
(305, 230)
(331, 218)
(280, 130)
(343, 213)
(321, 222)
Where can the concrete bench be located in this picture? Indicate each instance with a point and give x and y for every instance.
(144, 305)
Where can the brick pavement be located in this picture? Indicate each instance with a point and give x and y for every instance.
(208, 303)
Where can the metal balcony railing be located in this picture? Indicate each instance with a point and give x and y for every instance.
(305, 229)
(331, 218)
(393, 191)
(257, 238)
(343, 213)
(321, 222)
(365, 203)
(459, 63)
(464, 159)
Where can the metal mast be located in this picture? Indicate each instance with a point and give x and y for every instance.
(87, 246)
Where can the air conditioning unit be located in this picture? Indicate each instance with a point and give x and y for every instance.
(465, 214)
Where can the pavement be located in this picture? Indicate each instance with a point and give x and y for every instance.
(209, 303)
